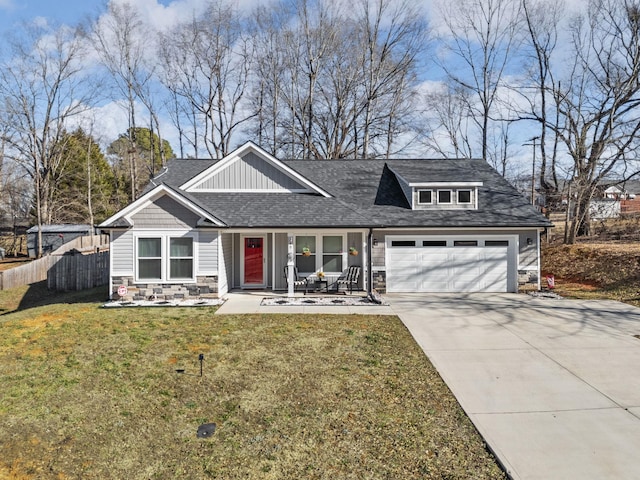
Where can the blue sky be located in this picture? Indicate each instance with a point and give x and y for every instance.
(14, 12)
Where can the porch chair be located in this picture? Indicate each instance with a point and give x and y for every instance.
(350, 278)
(298, 281)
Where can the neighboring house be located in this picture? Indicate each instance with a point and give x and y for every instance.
(54, 236)
(603, 208)
(207, 227)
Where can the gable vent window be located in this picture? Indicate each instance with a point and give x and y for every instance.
(444, 196)
(464, 196)
(425, 196)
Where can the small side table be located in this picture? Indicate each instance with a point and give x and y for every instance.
(318, 285)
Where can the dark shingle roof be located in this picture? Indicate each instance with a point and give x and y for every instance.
(365, 193)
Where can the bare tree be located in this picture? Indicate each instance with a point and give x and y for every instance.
(337, 82)
(480, 43)
(206, 63)
(122, 43)
(542, 19)
(43, 86)
(596, 97)
(448, 116)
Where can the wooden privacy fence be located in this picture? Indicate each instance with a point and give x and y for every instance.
(28, 273)
(79, 272)
(65, 270)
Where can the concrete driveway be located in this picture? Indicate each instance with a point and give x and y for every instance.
(552, 385)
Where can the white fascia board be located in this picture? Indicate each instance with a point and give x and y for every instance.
(152, 195)
(237, 154)
(445, 184)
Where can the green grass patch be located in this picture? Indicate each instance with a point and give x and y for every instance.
(93, 393)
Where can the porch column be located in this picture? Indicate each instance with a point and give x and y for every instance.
(290, 265)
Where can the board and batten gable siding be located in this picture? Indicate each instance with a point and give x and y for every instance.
(208, 253)
(250, 173)
(165, 213)
(122, 253)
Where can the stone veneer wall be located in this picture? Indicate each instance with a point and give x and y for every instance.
(380, 281)
(527, 279)
(205, 287)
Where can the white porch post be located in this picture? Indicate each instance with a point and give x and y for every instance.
(290, 265)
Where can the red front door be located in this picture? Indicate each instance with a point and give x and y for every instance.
(253, 261)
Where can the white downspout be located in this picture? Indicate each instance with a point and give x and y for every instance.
(290, 265)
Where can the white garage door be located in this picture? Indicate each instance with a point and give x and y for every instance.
(457, 267)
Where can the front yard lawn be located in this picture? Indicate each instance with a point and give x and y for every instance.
(93, 393)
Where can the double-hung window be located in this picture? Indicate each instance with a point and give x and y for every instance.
(306, 253)
(165, 258)
(332, 253)
(180, 258)
(150, 258)
(325, 253)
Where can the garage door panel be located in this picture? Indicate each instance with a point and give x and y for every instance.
(447, 269)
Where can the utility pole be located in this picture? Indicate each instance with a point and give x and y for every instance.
(533, 167)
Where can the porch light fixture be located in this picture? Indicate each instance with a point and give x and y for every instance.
(529, 241)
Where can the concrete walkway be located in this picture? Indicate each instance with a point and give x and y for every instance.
(552, 385)
(249, 302)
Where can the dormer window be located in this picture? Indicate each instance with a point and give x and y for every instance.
(464, 196)
(425, 197)
(444, 197)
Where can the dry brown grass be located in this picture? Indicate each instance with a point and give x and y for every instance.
(595, 270)
(93, 393)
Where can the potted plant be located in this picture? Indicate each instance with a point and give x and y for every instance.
(306, 252)
(353, 251)
(321, 275)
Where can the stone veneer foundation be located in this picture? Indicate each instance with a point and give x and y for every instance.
(205, 287)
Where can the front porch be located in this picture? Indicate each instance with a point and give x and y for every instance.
(251, 260)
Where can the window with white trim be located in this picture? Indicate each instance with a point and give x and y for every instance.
(165, 258)
(444, 196)
(332, 253)
(180, 258)
(425, 197)
(326, 253)
(150, 258)
(464, 196)
(306, 253)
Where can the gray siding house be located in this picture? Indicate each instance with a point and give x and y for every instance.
(205, 227)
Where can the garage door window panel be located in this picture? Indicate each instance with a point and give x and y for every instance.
(465, 243)
(496, 243)
(434, 243)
